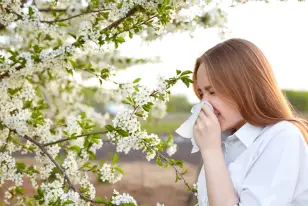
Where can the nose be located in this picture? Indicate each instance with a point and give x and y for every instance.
(205, 98)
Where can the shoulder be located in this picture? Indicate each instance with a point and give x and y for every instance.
(283, 133)
(285, 127)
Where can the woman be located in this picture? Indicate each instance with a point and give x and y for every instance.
(253, 147)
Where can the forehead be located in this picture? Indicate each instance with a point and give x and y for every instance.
(202, 77)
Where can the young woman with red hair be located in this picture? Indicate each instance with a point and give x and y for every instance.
(253, 146)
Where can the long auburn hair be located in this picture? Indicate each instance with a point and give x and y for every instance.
(239, 71)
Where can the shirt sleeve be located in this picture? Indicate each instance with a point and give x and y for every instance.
(273, 177)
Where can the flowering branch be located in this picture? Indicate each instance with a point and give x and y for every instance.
(71, 185)
(119, 21)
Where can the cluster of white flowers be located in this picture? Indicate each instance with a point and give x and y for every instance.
(85, 183)
(8, 170)
(195, 189)
(109, 173)
(162, 87)
(72, 126)
(159, 110)
(70, 164)
(127, 121)
(136, 138)
(4, 133)
(159, 204)
(127, 5)
(118, 199)
(143, 96)
(172, 149)
(8, 195)
(59, 53)
(54, 191)
(8, 18)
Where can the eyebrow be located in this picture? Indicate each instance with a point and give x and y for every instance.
(206, 88)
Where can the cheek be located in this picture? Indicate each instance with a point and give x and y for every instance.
(227, 111)
(219, 106)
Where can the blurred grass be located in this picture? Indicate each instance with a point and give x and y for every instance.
(166, 125)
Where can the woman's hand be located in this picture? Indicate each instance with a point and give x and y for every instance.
(207, 131)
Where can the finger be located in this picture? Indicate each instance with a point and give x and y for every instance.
(202, 116)
(207, 110)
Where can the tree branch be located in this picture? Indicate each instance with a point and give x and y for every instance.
(71, 185)
(119, 21)
(167, 159)
(67, 139)
(74, 16)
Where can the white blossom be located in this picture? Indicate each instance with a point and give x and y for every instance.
(172, 149)
(109, 173)
(119, 199)
(8, 170)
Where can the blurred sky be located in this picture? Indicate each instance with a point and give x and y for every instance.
(279, 29)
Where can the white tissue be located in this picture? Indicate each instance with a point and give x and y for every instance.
(186, 129)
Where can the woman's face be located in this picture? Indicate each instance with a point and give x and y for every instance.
(227, 113)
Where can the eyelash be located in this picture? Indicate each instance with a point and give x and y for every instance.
(212, 93)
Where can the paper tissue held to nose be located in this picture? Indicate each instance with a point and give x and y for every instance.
(186, 129)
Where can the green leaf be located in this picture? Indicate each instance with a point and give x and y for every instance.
(158, 161)
(69, 71)
(61, 24)
(128, 204)
(178, 72)
(12, 92)
(83, 115)
(40, 192)
(120, 39)
(136, 80)
(115, 158)
(180, 163)
(100, 200)
(169, 141)
(31, 11)
(73, 35)
(48, 37)
(91, 155)
(93, 169)
(73, 63)
(177, 178)
(186, 72)
(75, 148)
(185, 172)
(68, 202)
(109, 127)
(138, 114)
(119, 170)
(130, 34)
(20, 166)
(19, 190)
(86, 165)
(123, 133)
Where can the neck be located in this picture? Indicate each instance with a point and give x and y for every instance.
(238, 126)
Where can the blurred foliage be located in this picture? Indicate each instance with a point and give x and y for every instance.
(299, 99)
(178, 103)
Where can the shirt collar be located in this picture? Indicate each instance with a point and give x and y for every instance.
(246, 134)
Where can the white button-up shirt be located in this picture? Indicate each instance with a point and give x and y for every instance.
(267, 165)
